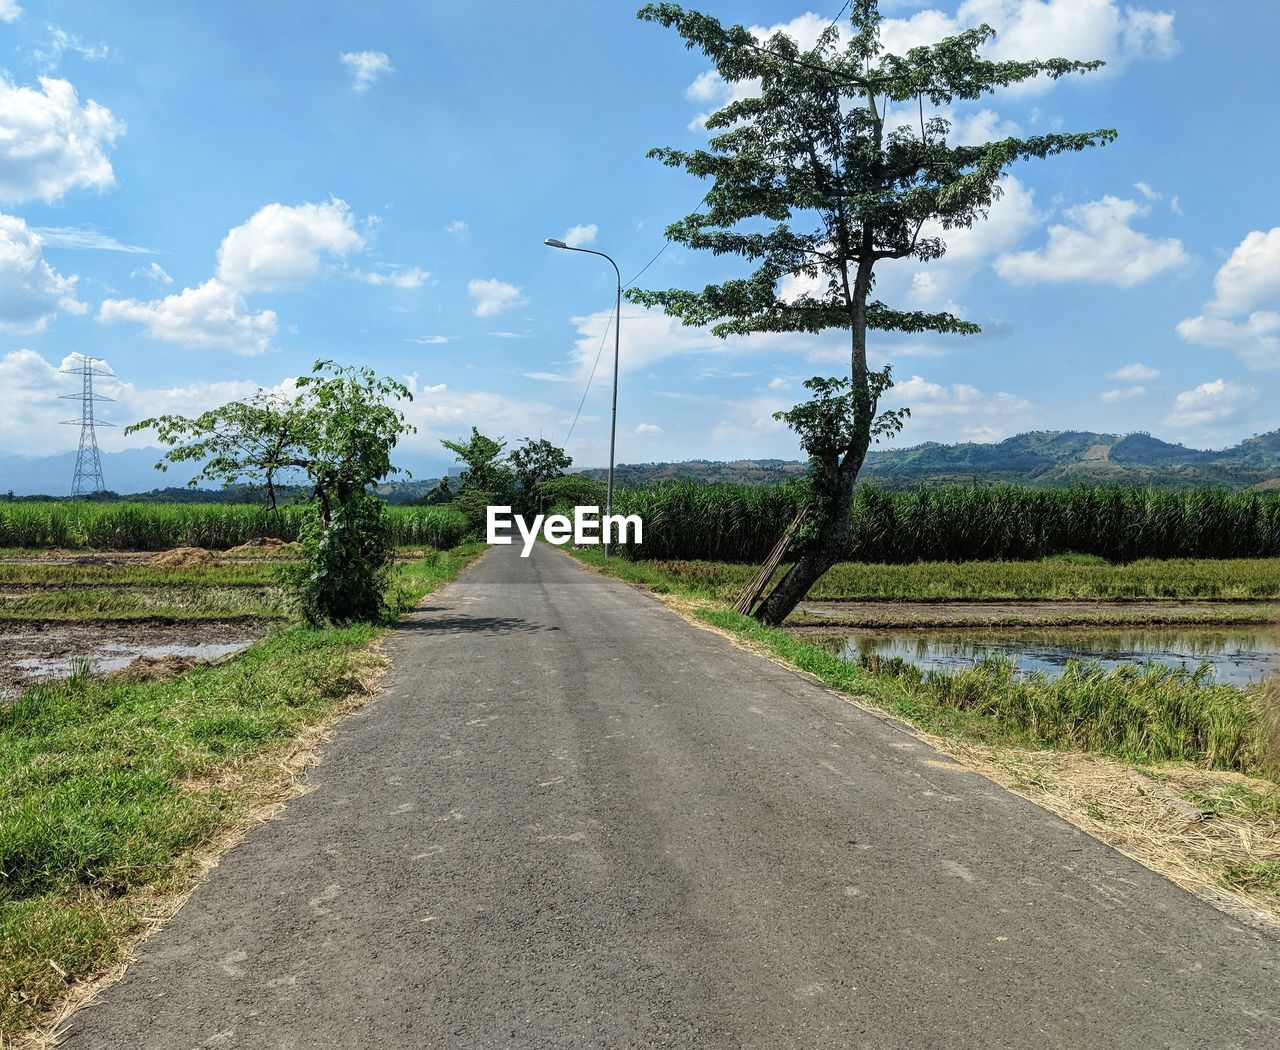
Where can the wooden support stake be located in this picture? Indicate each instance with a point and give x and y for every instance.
(752, 593)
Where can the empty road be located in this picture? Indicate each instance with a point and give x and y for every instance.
(573, 819)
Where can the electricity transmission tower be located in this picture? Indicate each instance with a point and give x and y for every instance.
(88, 476)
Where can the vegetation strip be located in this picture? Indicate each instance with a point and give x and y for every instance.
(114, 796)
(1176, 726)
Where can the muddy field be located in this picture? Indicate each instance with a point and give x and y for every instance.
(821, 616)
(30, 653)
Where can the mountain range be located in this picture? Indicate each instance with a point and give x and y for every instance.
(1048, 458)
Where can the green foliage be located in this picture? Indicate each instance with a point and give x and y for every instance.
(486, 466)
(338, 431)
(560, 495)
(685, 520)
(345, 575)
(534, 463)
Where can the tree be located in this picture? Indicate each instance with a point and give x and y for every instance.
(813, 188)
(338, 432)
(486, 466)
(534, 463)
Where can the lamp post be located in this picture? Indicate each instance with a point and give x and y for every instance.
(617, 344)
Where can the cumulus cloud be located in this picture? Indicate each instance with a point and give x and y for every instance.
(31, 291)
(459, 229)
(10, 11)
(1134, 373)
(648, 430)
(283, 246)
(1100, 245)
(1244, 314)
(211, 315)
(494, 297)
(958, 412)
(1215, 402)
(50, 143)
(1250, 278)
(413, 277)
(1255, 339)
(60, 42)
(580, 236)
(366, 67)
(429, 340)
(1079, 29)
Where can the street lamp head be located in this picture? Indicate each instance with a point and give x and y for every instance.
(551, 242)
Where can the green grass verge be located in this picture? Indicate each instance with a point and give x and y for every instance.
(107, 789)
(1086, 579)
(1140, 715)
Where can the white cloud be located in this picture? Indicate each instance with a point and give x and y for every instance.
(439, 412)
(212, 315)
(545, 377)
(281, 246)
(1250, 278)
(580, 236)
(430, 340)
(1256, 340)
(494, 296)
(959, 412)
(1078, 29)
(34, 412)
(10, 10)
(1134, 373)
(648, 430)
(1214, 402)
(366, 67)
(1100, 245)
(86, 237)
(1124, 393)
(413, 277)
(778, 383)
(31, 291)
(1147, 191)
(155, 272)
(50, 143)
(459, 229)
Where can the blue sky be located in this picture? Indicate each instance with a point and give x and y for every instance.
(211, 196)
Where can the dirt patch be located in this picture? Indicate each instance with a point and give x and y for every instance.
(31, 653)
(182, 558)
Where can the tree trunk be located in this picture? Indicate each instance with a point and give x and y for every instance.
(823, 551)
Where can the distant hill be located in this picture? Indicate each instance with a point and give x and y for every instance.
(1048, 458)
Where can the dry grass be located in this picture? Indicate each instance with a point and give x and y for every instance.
(181, 558)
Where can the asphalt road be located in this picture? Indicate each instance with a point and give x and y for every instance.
(575, 820)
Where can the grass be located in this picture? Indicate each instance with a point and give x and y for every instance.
(1050, 579)
(109, 790)
(100, 604)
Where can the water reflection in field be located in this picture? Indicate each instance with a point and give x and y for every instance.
(1238, 655)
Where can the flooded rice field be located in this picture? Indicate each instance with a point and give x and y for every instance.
(31, 653)
(1239, 655)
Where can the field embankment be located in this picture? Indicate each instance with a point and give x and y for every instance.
(116, 789)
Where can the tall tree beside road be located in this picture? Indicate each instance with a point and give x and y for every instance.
(813, 186)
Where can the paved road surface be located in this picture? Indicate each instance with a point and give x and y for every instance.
(575, 820)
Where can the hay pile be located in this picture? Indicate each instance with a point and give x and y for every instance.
(156, 668)
(266, 545)
(181, 558)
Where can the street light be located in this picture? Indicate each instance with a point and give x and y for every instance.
(551, 242)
